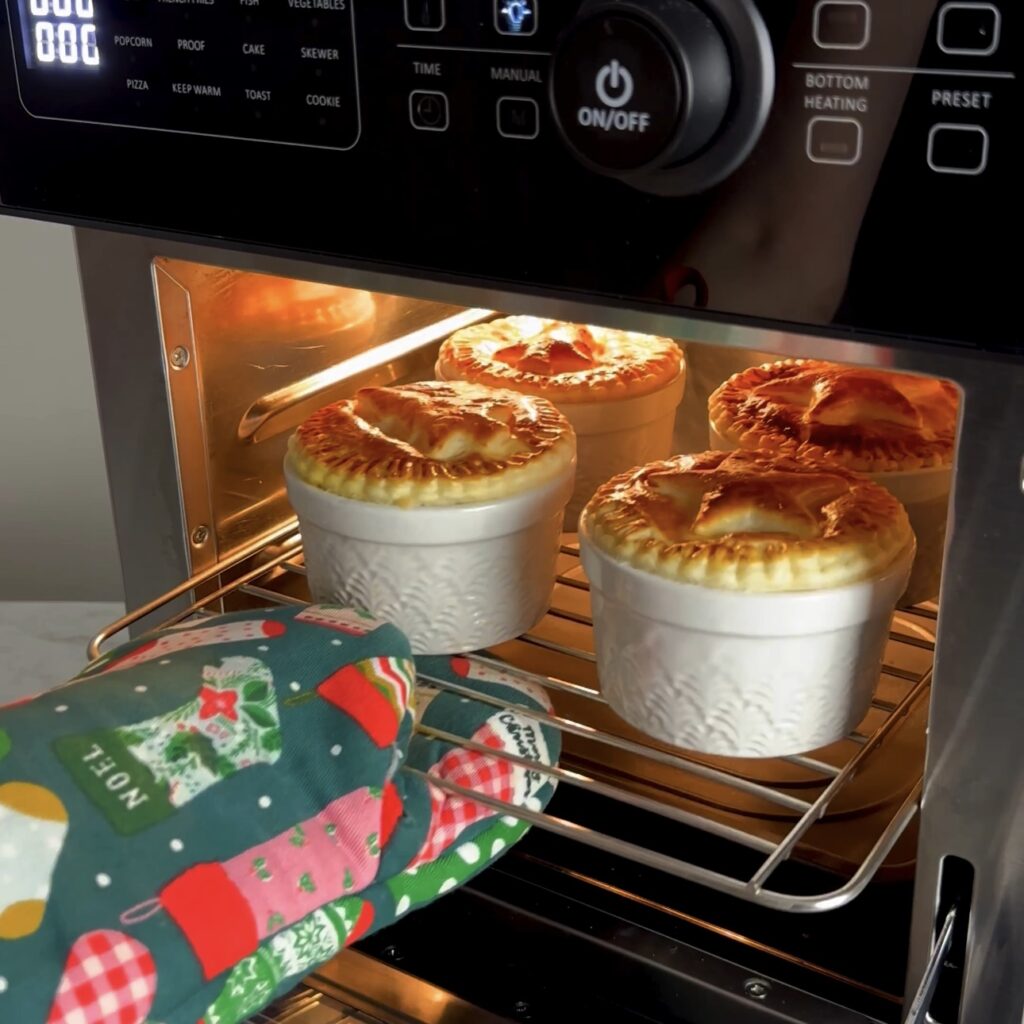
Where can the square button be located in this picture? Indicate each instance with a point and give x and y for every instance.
(970, 30)
(518, 117)
(515, 17)
(834, 140)
(424, 15)
(428, 110)
(842, 24)
(957, 149)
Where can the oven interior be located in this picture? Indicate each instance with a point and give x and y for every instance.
(659, 882)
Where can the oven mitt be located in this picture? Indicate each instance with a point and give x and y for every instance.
(462, 838)
(208, 813)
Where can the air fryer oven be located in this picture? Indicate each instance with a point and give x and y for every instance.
(788, 179)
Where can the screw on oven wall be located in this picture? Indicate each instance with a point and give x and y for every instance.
(392, 952)
(522, 1009)
(757, 988)
(200, 535)
(180, 357)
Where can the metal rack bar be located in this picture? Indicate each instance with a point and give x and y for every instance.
(693, 872)
(812, 764)
(576, 778)
(270, 595)
(561, 613)
(549, 681)
(568, 581)
(550, 645)
(901, 673)
(285, 534)
(258, 582)
(793, 803)
(820, 805)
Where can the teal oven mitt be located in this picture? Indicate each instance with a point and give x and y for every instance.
(460, 839)
(208, 813)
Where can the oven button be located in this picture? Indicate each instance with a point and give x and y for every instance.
(647, 91)
(834, 140)
(958, 149)
(969, 30)
(428, 110)
(424, 15)
(619, 92)
(518, 117)
(842, 24)
(515, 17)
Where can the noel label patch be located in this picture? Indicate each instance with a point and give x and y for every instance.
(140, 774)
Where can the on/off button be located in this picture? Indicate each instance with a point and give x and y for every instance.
(614, 84)
(618, 95)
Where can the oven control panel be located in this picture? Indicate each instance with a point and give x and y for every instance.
(275, 70)
(830, 163)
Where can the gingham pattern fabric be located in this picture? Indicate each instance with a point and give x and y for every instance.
(450, 814)
(109, 978)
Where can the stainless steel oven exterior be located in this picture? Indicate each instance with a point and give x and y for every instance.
(971, 807)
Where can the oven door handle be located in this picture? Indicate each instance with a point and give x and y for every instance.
(922, 1000)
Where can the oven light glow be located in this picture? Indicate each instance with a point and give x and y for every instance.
(63, 33)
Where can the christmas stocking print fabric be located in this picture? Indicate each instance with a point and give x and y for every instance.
(207, 814)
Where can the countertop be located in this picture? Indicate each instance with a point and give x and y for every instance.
(42, 643)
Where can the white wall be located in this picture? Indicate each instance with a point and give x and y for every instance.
(56, 528)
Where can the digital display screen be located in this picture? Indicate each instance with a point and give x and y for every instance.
(286, 71)
(60, 33)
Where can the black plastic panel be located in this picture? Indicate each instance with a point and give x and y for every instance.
(876, 219)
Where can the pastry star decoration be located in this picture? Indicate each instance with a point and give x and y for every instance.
(717, 504)
(854, 398)
(546, 353)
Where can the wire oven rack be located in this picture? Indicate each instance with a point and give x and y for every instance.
(262, 571)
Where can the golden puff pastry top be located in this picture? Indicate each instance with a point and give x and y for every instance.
(869, 420)
(746, 520)
(564, 362)
(433, 443)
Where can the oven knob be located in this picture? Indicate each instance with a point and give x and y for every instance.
(668, 95)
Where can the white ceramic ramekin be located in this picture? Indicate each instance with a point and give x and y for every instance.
(452, 578)
(613, 436)
(924, 493)
(736, 673)
(616, 434)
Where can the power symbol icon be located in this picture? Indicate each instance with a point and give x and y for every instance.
(614, 85)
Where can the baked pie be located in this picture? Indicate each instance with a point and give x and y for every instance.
(753, 521)
(870, 420)
(432, 443)
(618, 389)
(561, 361)
(742, 600)
(897, 427)
(436, 506)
